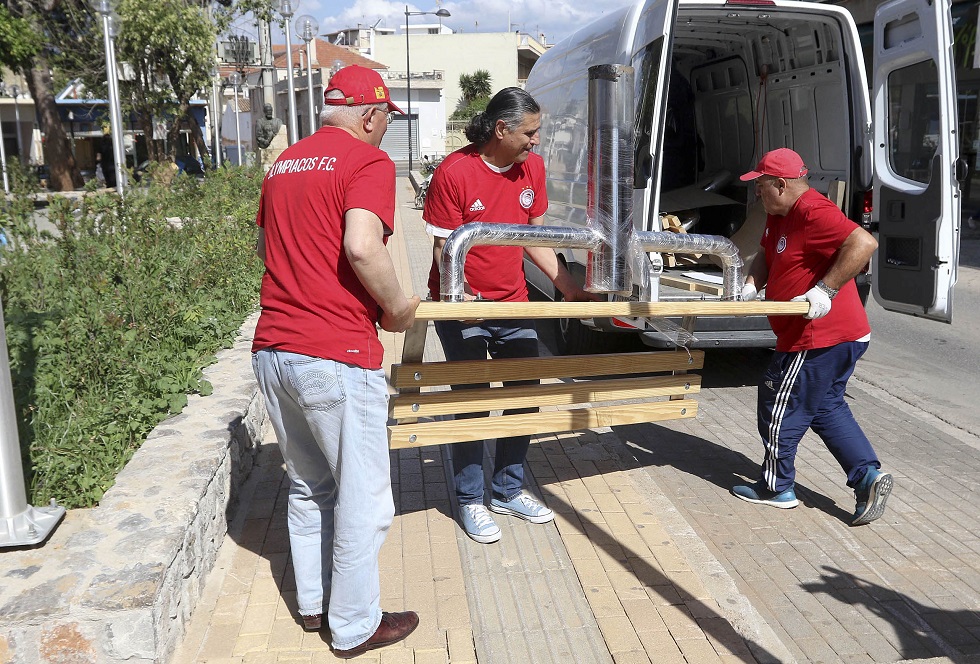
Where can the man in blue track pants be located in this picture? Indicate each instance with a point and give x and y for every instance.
(810, 251)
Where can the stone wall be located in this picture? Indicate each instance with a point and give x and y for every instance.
(118, 583)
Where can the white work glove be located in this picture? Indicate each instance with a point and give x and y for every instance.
(749, 292)
(819, 302)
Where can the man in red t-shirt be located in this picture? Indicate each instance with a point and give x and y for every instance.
(326, 211)
(811, 251)
(494, 179)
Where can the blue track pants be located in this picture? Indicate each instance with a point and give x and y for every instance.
(805, 390)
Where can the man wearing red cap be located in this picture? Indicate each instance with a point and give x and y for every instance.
(812, 252)
(326, 211)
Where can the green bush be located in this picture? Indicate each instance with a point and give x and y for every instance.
(111, 318)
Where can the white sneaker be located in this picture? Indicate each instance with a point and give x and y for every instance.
(478, 524)
(523, 506)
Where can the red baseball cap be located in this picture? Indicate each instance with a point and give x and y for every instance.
(779, 163)
(360, 86)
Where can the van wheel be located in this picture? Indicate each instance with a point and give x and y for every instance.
(574, 338)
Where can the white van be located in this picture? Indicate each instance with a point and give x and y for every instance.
(718, 84)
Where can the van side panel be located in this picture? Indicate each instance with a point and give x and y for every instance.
(725, 108)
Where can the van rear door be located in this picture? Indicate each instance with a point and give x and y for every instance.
(916, 147)
(649, 54)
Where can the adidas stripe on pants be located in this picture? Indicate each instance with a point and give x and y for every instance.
(805, 390)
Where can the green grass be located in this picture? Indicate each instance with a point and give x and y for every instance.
(111, 319)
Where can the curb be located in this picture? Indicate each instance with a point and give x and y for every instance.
(118, 583)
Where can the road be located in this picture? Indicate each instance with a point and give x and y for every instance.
(932, 366)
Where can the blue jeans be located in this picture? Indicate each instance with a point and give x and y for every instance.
(805, 390)
(330, 419)
(472, 341)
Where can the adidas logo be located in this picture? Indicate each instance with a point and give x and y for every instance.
(477, 206)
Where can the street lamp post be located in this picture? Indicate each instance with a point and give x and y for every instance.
(109, 28)
(286, 9)
(235, 79)
(215, 129)
(3, 162)
(441, 13)
(307, 26)
(71, 124)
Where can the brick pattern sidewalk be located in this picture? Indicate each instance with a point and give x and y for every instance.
(642, 598)
(904, 587)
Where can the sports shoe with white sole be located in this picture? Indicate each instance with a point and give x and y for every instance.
(758, 493)
(523, 506)
(871, 493)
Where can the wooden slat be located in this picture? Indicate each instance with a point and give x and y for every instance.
(510, 310)
(481, 428)
(432, 404)
(684, 283)
(415, 341)
(835, 192)
(487, 371)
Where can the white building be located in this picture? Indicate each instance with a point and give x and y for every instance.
(437, 57)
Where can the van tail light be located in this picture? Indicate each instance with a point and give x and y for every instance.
(868, 207)
(622, 322)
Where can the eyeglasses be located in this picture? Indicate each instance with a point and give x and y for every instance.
(389, 116)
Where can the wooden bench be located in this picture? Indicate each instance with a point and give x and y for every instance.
(593, 390)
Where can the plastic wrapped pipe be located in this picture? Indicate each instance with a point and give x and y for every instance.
(690, 243)
(520, 235)
(610, 201)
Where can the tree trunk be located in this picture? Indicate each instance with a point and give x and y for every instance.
(173, 133)
(197, 135)
(152, 147)
(63, 173)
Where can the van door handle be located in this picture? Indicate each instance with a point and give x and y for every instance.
(962, 170)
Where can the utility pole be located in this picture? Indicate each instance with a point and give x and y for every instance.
(265, 60)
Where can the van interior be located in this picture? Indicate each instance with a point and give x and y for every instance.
(743, 81)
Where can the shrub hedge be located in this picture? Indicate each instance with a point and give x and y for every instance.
(111, 318)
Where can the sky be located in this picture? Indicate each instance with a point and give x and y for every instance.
(556, 19)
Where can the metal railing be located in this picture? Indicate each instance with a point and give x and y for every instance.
(434, 75)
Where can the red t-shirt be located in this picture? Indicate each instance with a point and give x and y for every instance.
(799, 249)
(465, 188)
(312, 301)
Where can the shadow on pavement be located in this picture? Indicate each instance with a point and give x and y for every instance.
(716, 626)
(711, 462)
(912, 621)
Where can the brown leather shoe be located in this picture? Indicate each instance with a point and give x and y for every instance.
(312, 623)
(393, 628)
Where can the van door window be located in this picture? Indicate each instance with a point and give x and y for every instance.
(647, 66)
(913, 120)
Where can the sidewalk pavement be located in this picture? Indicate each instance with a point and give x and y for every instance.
(649, 558)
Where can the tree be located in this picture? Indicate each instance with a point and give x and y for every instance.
(475, 85)
(169, 45)
(34, 36)
(476, 94)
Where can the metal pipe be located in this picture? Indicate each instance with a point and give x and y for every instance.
(610, 201)
(20, 524)
(309, 84)
(691, 243)
(476, 233)
(112, 81)
(610, 237)
(3, 163)
(286, 9)
(215, 123)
